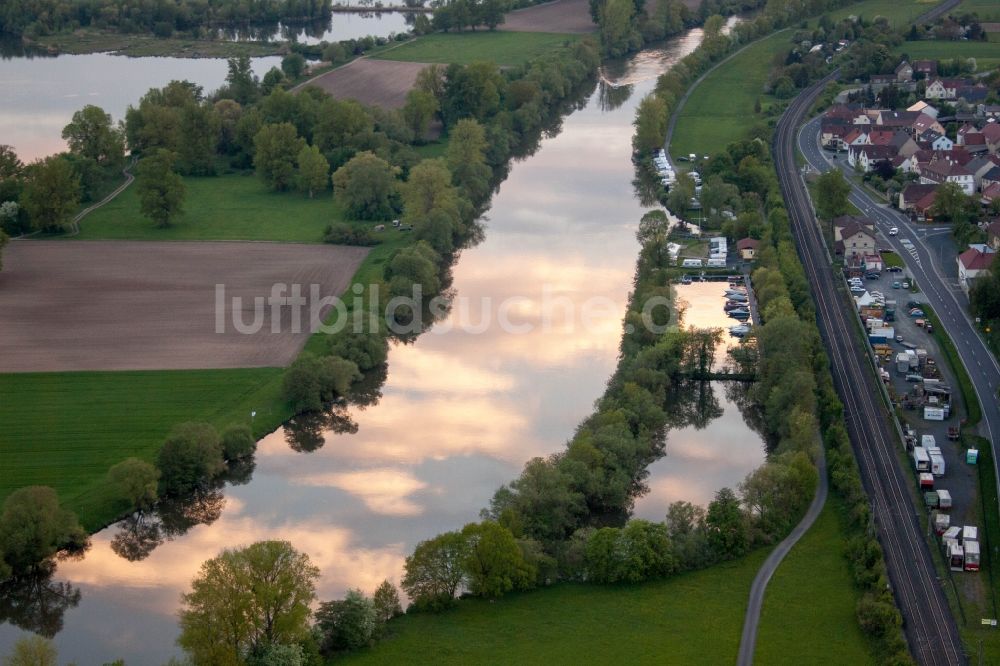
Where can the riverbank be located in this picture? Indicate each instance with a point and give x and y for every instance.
(94, 41)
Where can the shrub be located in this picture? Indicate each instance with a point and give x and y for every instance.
(238, 442)
(342, 233)
(190, 457)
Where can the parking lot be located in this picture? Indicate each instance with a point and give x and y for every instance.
(959, 478)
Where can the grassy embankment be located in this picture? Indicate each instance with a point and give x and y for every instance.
(692, 618)
(99, 41)
(812, 594)
(503, 48)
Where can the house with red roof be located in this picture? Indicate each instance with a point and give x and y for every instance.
(747, 247)
(974, 262)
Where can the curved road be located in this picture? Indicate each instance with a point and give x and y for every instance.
(748, 641)
(929, 626)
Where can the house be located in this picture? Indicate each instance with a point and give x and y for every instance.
(832, 133)
(898, 119)
(747, 247)
(936, 141)
(882, 79)
(904, 163)
(944, 171)
(923, 207)
(853, 236)
(990, 177)
(990, 194)
(926, 121)
(856, 137)
(980, 166)
(989, 110)
(925, 68)
(967, 128)
(881, 137)
(925, 108)
(975, 143)
(866, 157)
(904, 144)
(913, 193)
(991, 132)
(972, 93)
(973, 262)
(940, 88)
(904, 72)
(993, 234)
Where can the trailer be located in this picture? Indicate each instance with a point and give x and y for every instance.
(956, 557)
(937, 465)
(926, 481)
(950, 534)
(934, 413)
(970, 533)
(921, 461)
(971, 555)
(944, 499)
(931, 499)
(927, 441)
(942, 521)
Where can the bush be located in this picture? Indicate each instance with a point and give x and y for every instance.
(190, 457)
(33, 528)
(135, 482)
(312, 381)
(347, 624)
(342, 233)
(238, 442)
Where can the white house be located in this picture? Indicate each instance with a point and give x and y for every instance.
(942, 171)
(974, 262)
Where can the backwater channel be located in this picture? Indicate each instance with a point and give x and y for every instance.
(461, 412)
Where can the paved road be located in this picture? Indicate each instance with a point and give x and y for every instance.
(930, 628)
(919, 246)
(748, 641)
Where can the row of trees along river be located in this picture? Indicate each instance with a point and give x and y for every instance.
(460, 413)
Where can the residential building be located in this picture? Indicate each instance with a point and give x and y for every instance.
(944, 171)
(747, 248)
(913, 193)
(853, 236)
(974, 262)
(904, 72)
(926, 68)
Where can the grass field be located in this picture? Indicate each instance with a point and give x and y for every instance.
(988, 10)
(694, 618)
(503, 48)
(812, 595)
(231, 207)
(721, 108)
(987, 54)
(899, 12)
(66, 429)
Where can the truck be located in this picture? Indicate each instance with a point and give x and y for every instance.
(937, 465)
(970, 533)
(921, 461)
(956, 557)
(971, 555)
(944, 499)
(934, 413)
(926, 481)
(951, 534)
(902, 363)
(927, 441)
(942, 521)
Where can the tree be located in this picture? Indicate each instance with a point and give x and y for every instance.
(51, 193)
(493, 561)
(650, 124)
(367, 187)
(414, 265)
(201, 128)
(276, 147)
(237, 442)
(347, 624)
(134, 481)
(726, 525)
(832, 190)
(466, 157)
(618, 34)
(952, 204)
(877, 618)
(293, 65)
(471, 91)
(314, 170)
(386, 601)
(161, 190)
(242, 81)
(246, 600)
(312, 381)
(33, 528)
(32, 651)
(91, 134)
(680, 194)
(418, 112)
(434, 572)
(190, 456)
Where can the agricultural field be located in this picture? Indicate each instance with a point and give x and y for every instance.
(899, 12)
(383, 83)
(501, 47)
(119, 305)
(66, 429)
(231, 207)
(566, 16)
(987, 54)
(812, 594)
(693, 618)
(988, 10)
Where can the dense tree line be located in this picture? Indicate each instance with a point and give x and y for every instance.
(40, 17)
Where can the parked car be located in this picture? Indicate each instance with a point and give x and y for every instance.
(916, 312)
(913, 304)
(906, 285)
(895, 269)
(895, 284)
(899, 338)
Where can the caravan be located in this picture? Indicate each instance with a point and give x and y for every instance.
(921, 461)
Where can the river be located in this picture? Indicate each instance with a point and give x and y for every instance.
(461, 412)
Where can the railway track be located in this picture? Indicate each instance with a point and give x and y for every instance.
(928, 623)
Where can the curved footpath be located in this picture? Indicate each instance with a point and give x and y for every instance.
(748, 640)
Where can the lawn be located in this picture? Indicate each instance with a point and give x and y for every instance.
(503, 48)
(987, 54)
(65, 429)
(693, 618)
(892, 259)
(988, 10)
(899, 12)
(231, 207)
(812, 595)
(721, 108)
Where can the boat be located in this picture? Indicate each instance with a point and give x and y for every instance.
(685, 279)
(733, 305)
(739, 314)
(740, 298)
(739, 331)
(738, 292)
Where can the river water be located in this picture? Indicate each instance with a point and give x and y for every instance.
(461, 412)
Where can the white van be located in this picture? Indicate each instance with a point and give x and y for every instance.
(692, 263)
